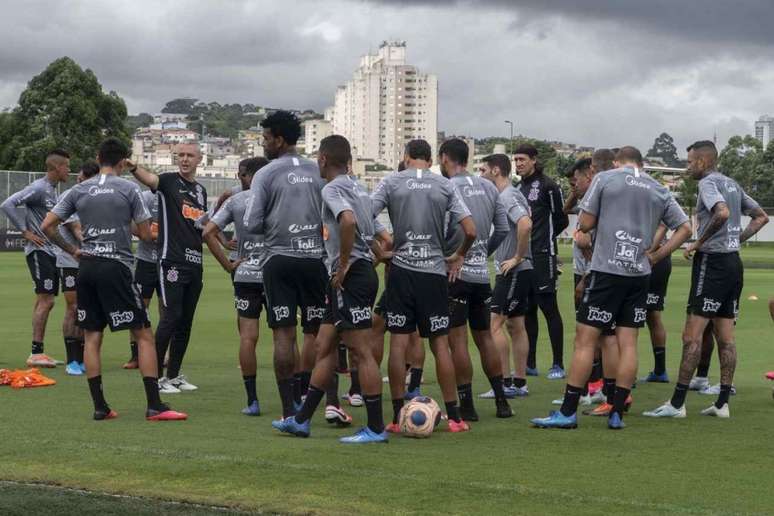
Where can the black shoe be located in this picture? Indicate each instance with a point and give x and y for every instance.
(468, 413)
(106, 413)
(503, 409)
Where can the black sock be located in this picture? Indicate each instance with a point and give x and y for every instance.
(659, 358)
(95, 387)
(619, 399)
(313, 398)
(296, 388)
(373, 405)
(508, 381)
(252, 395)
(608, 389)
(306, 377)
(151, 385)
(37, 347)
(725, 393)
(703, 370)
(354, 388)
(397, 404)
(452, 411)
(133, 350)
(416, 379)
(572, 396)
(285, 387)
(342, 357)
(519, 382)
(596, 371)
(585, 389)
(332, 393)
(678, 398)
(497, 387)
(79, 351)
(70, 349)
(465, 394)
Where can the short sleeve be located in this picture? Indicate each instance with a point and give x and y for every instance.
(591, 201)
(455, 205)
(748, 203)
(65, 208)
(380, 196)
(335, 200)
(165, 181)
(140, 212)
(709, 194)
(225, 215)
(674, 216)
(516, 208)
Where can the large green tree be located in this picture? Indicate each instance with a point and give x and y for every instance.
(664, 148)
(63, 107)
(753, 168)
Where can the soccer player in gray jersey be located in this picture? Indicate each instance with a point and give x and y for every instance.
(348, 231)
(107, 296)
(286, 208)
(418, 203)
(70, 231)
(247, 277)
(470, 294)
(717, 276)
(26, 209)
(514, 275)
(625, 206)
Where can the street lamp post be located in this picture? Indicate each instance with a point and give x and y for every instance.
(510, 141)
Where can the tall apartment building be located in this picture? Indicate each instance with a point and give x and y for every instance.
(386, 103)
(764, 129)
(314, 131)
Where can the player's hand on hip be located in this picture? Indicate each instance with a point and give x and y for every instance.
(32, 237)
(688, 253)
(512, 263)
(338, 279)
(454, 266)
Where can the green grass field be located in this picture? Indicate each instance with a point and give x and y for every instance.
(220, 458)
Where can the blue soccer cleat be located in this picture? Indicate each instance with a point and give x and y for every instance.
(83, 367)
(289, 425)
(410, 395)
(614, 422)
(297, 406)
(74, 369)
(556, 419)
(533, 371)
(254, 409)
(365, 435)
(656, 378)
(556, 373)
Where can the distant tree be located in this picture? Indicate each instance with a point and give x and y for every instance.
(753, 168)
(134, 122)
(664, 148)
(184, 106)
(65, 107)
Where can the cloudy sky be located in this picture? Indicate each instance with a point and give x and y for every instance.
(592, 72)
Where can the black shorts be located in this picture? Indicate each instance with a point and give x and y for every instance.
(379, 306)
(249, 299)
(146, 275)
(545, 273)
(350, 307)
(608, 331)
(716, 285)
(291, 283)
(417, 300)
(68, 277)
(108, 296)
(659, 281)
(469, 303)
(44, 273)
(512, 293)
(612, 299)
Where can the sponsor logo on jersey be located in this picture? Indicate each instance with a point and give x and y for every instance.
(396, 320)
(102, 248)
(360, 314)
(413, 184)
(597, 314)
(298, 228)
(193, 256)
(252, 246)
(730, 186)
(95, 232)
(191, 212)
(295, 179)
(633, 181)
(281, 312)
(309, 244)
(96, 190)
(410, 235)
(417, 252)
(119, 318)
(639, 315)
(710, 305)
(438, 322)
(241, 304)
(470, 191)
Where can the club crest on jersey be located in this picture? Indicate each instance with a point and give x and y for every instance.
(241, 304)
(281, 312)
(639, 315)
(710, 305)
(396, 320)
(359, 314)
(69, 281)
(172, 275)
(439, 322)
(597, 314)
(81, 315)
(48, 284)
(119, 318)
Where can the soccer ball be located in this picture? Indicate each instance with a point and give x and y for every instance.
(419, 417)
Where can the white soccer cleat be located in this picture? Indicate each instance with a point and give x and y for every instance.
(582, 401)
(714, 390)
(698, 383)
(41, 360)
(712, 410)
(181, 383)
(488, 395)
(165, 387)
(598, 397)
(667, 410)
(355, 400)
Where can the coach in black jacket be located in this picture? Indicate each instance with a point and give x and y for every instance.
(548, 221)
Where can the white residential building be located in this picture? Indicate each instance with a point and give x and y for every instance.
(764, 129)
(314, 132)
(386, 103)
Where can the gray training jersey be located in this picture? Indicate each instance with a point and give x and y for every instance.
(106, 205)
(345, 193)
(249, 245)
(65, 260)
(629, 205)
(715, 188)
(417, 202)
(515, 206)
(27, 208)
(481, 198)
(286, 206)
(149, 251)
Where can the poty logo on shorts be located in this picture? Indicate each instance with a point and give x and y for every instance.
(710, 305)
(396, 320)
(439, 322)
(512, 306)
(359, 314)
(81, 315)
(281, 312)
(69, 281)
(597, 314)
(295, 179)
(411, 184)
(639, 315)
(314, 312)
(653, 299)
(172, 275)
(48, 284)
(298, 228)
(119, 318)
(241, 304)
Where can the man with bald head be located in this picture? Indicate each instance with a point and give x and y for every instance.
(182, 205)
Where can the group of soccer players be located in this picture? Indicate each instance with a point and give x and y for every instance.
(306, 244)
